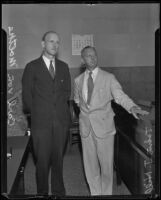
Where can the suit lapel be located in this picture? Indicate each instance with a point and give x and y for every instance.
(46, 71)
(44, 67)
(97, 84)
(81, 82)
(56, 66)
(57, 74)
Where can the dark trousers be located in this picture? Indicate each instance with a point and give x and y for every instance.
(48, 145)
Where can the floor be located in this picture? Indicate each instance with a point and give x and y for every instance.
(74, 179)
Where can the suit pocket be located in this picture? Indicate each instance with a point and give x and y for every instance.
(103, 123)
(108, 122)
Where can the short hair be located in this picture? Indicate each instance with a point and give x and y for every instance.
(85, 48)
(48, 32)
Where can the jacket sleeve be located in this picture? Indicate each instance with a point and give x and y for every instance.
(76, 93)
(119, 96)
(27, 88)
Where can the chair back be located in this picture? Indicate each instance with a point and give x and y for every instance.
(74, 111)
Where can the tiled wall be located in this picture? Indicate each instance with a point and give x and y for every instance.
(137, 82)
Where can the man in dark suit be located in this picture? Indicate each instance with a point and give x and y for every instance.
(46, 87)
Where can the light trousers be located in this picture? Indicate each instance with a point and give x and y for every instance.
(98, 163)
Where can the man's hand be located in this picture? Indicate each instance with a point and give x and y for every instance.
(135, 110)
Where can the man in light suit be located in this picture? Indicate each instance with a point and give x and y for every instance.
(93, 91)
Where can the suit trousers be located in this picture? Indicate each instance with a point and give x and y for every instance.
(98, 163)
(49, 147)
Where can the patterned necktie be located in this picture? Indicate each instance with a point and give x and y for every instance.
(51, 69)
(90, 87)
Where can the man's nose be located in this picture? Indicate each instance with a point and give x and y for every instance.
(55, 45)
(93, 57)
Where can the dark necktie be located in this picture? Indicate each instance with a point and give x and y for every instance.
(51, 69)
(90, 87)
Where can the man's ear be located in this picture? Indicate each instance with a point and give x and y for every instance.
(43, 44)
(82, 61)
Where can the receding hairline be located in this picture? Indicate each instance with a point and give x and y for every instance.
(47, 33)
(87, 47)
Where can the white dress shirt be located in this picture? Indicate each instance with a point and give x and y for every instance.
(47, 62)
(85, 87)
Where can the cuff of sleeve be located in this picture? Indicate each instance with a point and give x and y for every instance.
(76, 101)
(129, 111)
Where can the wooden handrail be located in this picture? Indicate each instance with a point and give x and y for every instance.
(138, 148)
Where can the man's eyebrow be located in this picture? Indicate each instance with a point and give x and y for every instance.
(52, 40)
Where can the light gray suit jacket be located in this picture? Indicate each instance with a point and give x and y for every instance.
(99, 115)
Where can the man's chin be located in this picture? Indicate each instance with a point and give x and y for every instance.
(91, 68)
(53, 53)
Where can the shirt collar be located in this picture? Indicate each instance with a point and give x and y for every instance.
(94, 72)
(47, 60)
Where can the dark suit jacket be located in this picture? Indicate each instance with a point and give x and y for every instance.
(44, 98)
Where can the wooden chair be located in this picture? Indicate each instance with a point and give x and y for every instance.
(74, 136)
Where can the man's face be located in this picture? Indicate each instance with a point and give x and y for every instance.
(51, 44)
(90, 58)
